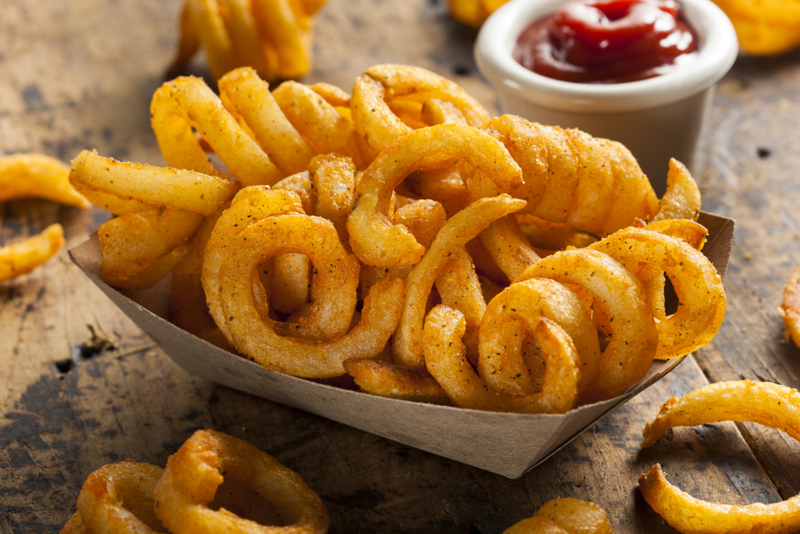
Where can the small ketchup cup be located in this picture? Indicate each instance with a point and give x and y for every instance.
(657, 118)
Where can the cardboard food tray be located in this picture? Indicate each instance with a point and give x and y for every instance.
(504, 443)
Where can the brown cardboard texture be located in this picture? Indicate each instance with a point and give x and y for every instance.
(504, 443)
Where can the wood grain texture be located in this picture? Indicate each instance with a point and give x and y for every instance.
(81, 386)
(750, 159)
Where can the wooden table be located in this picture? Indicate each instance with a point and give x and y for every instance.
(81, 386)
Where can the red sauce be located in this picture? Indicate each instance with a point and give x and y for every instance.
(607, 41)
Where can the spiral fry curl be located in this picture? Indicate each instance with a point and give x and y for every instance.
(591, 184)
(264, 223)
(405, 88)
(274, 36)
(197, 473)
(118, 498)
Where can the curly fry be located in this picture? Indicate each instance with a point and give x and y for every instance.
(337, 278)
(199, 471)
(445, 359)
(790, 307)
(250, 205)
(186, 103)
(36, 175)
(21, 258)
(381, 85)
(395, 381)
(682, 198)
(119, 498)
(591, 184)
(273, 36)
(565, 516)
(764, 403)
(701, 295)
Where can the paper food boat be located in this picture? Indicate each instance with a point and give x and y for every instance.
(504, 443)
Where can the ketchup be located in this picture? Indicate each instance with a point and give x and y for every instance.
(607, 41)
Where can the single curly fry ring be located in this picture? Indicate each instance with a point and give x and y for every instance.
(634, 337)
(701, 294)
(377, 123)
(764, 403)
(337, 279)
(519, 308)
(206, 460)
(335, 271)
(119, 498)
(445, 359)
(373, 236)
(251, 204)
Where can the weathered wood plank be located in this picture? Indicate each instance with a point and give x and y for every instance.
(751, 158)
(87, 84)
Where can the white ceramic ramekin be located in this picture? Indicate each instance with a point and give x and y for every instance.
(656, 119)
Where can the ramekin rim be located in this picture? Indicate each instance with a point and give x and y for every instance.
(718, 51)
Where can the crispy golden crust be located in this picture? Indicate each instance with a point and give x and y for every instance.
(682, 199)
(119, 498)
(273, 36)
(23, 257)
(396, 381)
(565, 516)
(197, 471)
(790, 307)
(37, 175)
(768, 404)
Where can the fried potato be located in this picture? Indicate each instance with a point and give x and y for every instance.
(320, 123)
(187, 305)
(247, 97)
(273, 36)
(633, 344)
(153, 273)
(336, 277)
(377, 89)
(132, 242)
(445, 359)
(20, 258)
(396, 381)
(513, 315)
(591, 184)
(790, 307)
(462, 227)
(155, 186)
(682, 199)
(764, 403)
(565, 516)
(473, 12)
(119, 498)
(764, 27)
(36, 175)
(701, 295)
(199, 470)
(187, 103)
(373, 237)
(250, 205)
